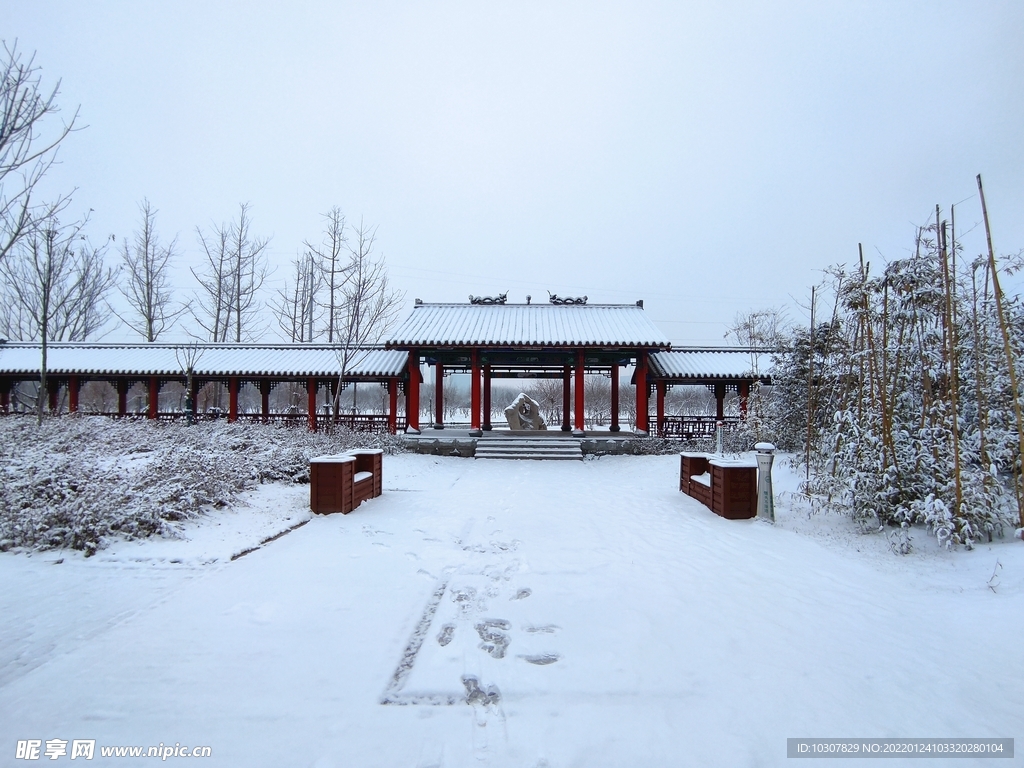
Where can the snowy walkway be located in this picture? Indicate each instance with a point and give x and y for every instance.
(591, 614)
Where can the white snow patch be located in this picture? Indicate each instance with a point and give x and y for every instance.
(511, 614)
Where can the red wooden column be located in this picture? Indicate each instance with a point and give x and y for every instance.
(232, 398)
(744, 396)
(579, 392)
(719, 402)
(311, 402)
(393, 405)
(265, 400)
(641, 393)
(438, 396)
(52, 390)
(660, 408)
(5, 396)
(615, 398)
(474, 395)
(412, 394)
(487, 398)
(154, 397)
(74, 387)
(122, 397)
(566, 407)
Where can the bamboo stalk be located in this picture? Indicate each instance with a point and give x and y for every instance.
(810, 396)
(950, 334)
(997, 291)
(978, 390)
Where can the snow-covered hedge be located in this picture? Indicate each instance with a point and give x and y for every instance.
(74, 481)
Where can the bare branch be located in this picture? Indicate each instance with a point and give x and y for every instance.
(228, 299)
(26, 152)
(145, 285)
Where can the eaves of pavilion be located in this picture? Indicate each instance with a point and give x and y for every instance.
(69, 365)
(555, 340)
(720, 369)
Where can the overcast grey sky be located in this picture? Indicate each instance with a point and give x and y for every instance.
(709, 158)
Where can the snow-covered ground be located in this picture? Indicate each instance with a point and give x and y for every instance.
(510, 614)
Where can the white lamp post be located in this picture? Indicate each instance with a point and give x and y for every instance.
(765, 497)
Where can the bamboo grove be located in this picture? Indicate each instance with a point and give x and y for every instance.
(901, 400)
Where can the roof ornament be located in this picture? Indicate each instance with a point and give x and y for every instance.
(554, 298)
(501, 298)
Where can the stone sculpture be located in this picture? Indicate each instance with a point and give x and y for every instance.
(524, 413)
(554, 298)
(501, 298)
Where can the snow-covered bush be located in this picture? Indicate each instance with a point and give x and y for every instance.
(903, 404)
(74, 481)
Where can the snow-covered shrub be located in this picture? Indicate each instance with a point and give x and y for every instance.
(74, 481)
(904, 408)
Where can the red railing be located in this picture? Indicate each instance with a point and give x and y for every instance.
(694, 427)
(358, 422)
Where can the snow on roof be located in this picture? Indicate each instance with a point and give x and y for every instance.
(282, 360)
(528, 325)
(721, 363)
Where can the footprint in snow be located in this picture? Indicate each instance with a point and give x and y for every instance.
(549, 629)
(445, 635)
(541, 659)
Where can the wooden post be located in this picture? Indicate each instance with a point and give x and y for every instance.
(438, 395)
(744, 396)
(579, 393)
(660, 408)
(5, 395)
(265, 400)
(566, 407)
(393, 405)
(232, 399)
(154, 398)
(412, 394)
(474, 395)
(122, 397)
(311, 402)
(615, 398)
(487, 398)
(719, 401)
(641, 393)
(74, 387)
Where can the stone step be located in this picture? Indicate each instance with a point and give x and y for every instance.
(526, 448)
(531, 456)
(520, 452)
(527, 445)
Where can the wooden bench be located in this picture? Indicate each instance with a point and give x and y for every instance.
(367, 480)
(343, 482)
(727, 486)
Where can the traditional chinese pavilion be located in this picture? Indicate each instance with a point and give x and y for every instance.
(486, 339)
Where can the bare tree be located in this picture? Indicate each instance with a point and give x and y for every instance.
(370, 305)
(331, 261)
(188, 357)
(209, 309)
(236, 268)
(27, 147)
(145, 284)
(295, 305)
(54, 288)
